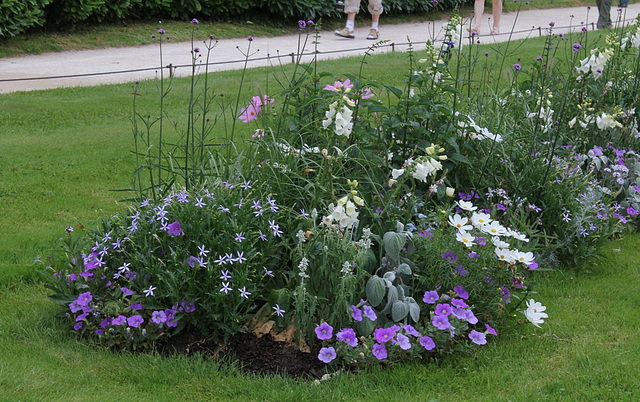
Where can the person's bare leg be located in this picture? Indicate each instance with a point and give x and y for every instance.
(497, 15)
(478, 10)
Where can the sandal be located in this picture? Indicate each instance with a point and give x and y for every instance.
(474, 31)
(495, 30)
(345, 33)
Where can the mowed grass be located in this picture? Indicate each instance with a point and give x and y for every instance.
(62, 152)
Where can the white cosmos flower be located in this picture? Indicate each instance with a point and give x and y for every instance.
(498, 242)
(465, 238)
(494, 228)
(459, 223)
(535, 312)
(504, 254)
(480, 219)
(466, 205)
(525, 258)
(517, 235)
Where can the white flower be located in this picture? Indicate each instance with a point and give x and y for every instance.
(466, 205)
(465, 238)
(480, 219)
(605, 121)
(449, 191)
(525, 258)
(498, 242)
(535, 312)
(459, 223)
(395, 173)
(494, 228)
(504, 254)
(423, 170)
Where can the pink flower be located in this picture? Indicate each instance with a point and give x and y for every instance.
(339, 86)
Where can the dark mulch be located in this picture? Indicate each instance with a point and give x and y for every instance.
(263, 356)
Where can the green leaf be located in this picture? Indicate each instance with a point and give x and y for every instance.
(404, 269)
(365, 327)
(392, 297)
(414, 309)
(390, 276)
(399, 311)
(375, 290)
(393, 243)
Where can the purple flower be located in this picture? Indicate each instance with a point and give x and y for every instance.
(250, 38)
(84, 299)
(383, 335)
(461, 292)
(193, 261)
(441, 322)
(427, 343)
(450, 256)
(196, 50)
(302, 24)
(348, 336)
(135, 321)
(379, 351)
(517, 67)
(106, 322)
(161, 31)
(158, 317)
(501, 207)
(99, 332)
(326, 355)
(356, 313)
(460, 313)
(175, 229)
(430, 297)
(458, 303)
(195, 21)
(119, 320)
(631, 211)
(403, 342)
(471, 318)
(551, 24)
(136, 307)
(411, 330)
(78, 325)
(477, 337)
(127, 292)
(491, 330)
(443, 309)
(533, 265)
(370, 313)
(324, 331)
(459, 269)
(576, 47)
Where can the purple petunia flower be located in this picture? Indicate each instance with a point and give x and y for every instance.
(78, 325)
(471, 318)
(136, 307)
(411, 330)
(127, 292)
(427, 343)
(441, 322)
(106, 322)
(458, 303)
(478, 337)
(324, 331)
(430, 297)
(348, 336)
(403, 342)
(461, 292)
(460, 313)
(326, 355)
(631, 211)
(84, 299)
(175, 229)
(119, 320)
(383, 335)
(356, 313)
(491, 330)
(135, 321)
(370, 313)
(158, 317)
(443, 309)
(379, 351)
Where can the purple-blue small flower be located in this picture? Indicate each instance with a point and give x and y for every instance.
(379, 351)
(348, 336)
(324, 331)
(409, 329)
(461, 292)
(427, 343)
(443, 309)
(441, 322)
(430, 297)
(356, 313)
(370, 313)
(326, 355)
(383, 335)
(477, 337)
(158, 317)
(175, 229)
(135, 321)
(491, 330)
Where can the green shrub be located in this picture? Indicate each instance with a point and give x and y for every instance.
(18, 16)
